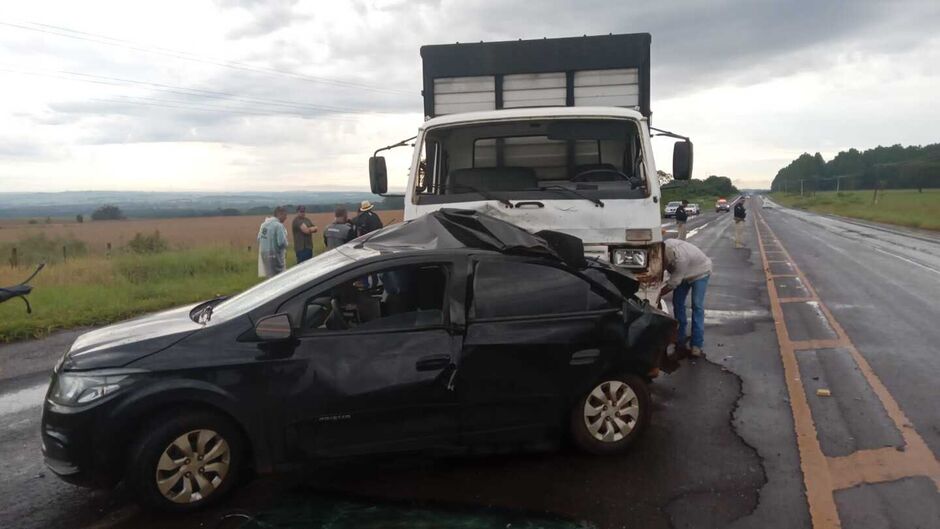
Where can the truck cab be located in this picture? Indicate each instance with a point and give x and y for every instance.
(547, 134)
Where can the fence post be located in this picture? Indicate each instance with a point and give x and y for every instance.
(65, 255)
(108, 253)
(13, 260)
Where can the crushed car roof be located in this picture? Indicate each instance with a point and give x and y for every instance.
(452, 229)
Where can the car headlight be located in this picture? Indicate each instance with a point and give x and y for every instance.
(77, 388)
(629, 258)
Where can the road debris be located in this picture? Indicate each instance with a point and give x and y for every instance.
(823, 393)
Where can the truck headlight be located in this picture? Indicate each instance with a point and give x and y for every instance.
(75, 388)
(629, 258)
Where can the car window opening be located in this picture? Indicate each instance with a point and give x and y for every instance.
(404, 297)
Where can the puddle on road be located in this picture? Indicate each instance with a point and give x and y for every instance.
(24, 399)
(305, 511)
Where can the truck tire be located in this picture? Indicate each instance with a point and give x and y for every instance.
(612, 415)
(185, 461)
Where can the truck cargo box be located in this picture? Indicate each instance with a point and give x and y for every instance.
(606, 70)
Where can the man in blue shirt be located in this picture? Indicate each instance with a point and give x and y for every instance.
(272, 244)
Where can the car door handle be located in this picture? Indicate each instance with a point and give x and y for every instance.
(432, 363)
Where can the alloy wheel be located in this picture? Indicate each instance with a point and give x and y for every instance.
(611, 411)
(193, 466)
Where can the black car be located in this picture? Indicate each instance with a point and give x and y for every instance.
(455, 331)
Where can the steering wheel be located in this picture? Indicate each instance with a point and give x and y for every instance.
(580, 177)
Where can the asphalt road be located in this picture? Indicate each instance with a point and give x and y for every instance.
(738, 440)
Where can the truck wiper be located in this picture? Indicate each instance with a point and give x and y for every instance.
(596, 201)
(485, 194)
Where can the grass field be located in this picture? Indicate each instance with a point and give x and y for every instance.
(904, 207)
(96, 289)
(237, 232)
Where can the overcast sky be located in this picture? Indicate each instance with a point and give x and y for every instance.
(279, 95)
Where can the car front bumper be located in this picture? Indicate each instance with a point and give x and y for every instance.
(76, 448)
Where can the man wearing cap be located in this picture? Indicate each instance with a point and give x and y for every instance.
(689, 269)
(303, 230)
(367, 221)
(340, 231)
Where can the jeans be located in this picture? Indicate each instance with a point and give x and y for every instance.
(738, 232)
(303, 255)
(698, 309)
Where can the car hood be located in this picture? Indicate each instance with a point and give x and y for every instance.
(119, 344)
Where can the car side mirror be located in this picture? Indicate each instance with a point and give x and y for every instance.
(274, 328)
(682, 160)
(378, 175)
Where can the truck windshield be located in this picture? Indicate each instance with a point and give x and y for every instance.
(532, 159)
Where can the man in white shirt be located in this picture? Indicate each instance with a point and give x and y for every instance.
(689, 269)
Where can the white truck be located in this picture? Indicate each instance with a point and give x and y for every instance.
(546, 134)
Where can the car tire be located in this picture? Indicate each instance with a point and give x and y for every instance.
(180, 456)
(596, 418)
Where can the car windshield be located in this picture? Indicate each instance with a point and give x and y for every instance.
(285, 282)
(560, 159)
(673, 203)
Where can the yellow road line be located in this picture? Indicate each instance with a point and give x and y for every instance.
(823, 475)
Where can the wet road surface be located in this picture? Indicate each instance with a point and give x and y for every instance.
(722, 450)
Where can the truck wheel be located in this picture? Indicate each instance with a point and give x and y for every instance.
(183, 462)
(612, 415)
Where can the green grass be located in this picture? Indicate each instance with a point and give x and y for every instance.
(97, 290)
(903, 207)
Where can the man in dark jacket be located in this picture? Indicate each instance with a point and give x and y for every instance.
(340, 231)
(739, 215)
(681, 217)
(367, 221)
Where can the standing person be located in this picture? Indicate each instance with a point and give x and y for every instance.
(367, 221)
(689, 269)
(340, 231)
(303, 230)
(681, 217)
(272, 244)
(739, 215)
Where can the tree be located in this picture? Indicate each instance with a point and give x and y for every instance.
(79, 218)
(664, 177)
(108, 212)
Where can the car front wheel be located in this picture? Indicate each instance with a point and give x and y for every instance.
(185, 461)
(612, 415)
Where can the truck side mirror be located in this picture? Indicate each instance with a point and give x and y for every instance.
(378, 175)
(274, 328)
(682, 160)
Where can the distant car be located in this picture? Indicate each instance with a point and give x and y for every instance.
(693, 209)
(670, 210)
(454, 330)
(722, 205)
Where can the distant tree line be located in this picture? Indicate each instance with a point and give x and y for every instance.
(112, 212)
(895, 167)
(714, 185)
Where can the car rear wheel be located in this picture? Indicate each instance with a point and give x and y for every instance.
(612, 415)
(183, 462)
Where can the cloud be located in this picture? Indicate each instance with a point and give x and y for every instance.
(266, 17)
(310, 91)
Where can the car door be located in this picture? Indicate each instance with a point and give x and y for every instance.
(534, 339)
(380, 381)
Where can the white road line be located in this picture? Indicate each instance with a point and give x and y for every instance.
(700, 228)
(925, 267)
(23, 399)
